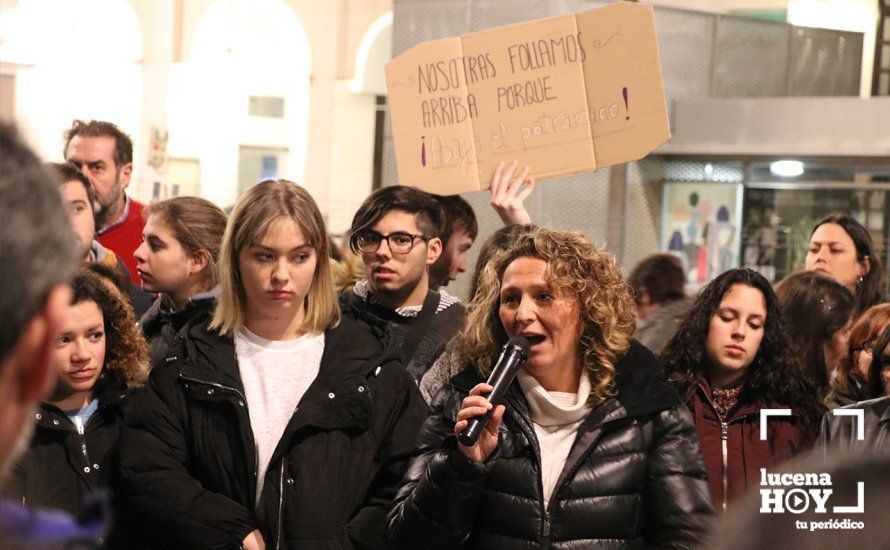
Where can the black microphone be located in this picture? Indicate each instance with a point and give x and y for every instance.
(513, 356)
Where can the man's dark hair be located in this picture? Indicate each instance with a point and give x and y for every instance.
(68, 172)
(426, 209)
(661, 275)
(123, 145)
(36, 249)
(459, 216)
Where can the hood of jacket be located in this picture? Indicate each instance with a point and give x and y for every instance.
(162, 311)
(110, 390)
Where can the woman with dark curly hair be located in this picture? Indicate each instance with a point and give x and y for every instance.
(590, 447)
(99, 357)
(730, 358)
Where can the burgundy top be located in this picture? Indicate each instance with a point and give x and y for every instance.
(746, 454)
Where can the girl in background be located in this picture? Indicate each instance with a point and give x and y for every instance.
(818, 313)
(730, 358)
(841, 248)
(177, 259)
(851, 384)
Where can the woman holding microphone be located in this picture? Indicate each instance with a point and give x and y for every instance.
(590, 446)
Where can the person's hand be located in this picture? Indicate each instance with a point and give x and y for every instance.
(864, 359)
(476, 404)
(508, 195)
(253, 541)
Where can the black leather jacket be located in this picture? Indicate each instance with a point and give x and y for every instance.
(634, 476)
(840, 432)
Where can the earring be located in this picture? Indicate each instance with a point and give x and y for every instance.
(860, 280)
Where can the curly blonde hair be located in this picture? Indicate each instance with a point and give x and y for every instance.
(126, 351)
(585, 275)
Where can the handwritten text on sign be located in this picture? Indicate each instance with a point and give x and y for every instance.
(557, 93)
(457, 73)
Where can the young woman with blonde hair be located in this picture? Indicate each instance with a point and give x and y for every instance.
(278, 420)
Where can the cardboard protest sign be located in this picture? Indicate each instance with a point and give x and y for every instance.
(565, 94)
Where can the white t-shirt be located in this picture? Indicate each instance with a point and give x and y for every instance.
(275, 375)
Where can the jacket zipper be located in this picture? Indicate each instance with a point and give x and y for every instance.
(280, 505)
(530, 435)
(83, 443)
(724, 444)
(571, 473)
(724, 439)
(281, 493)
(256, 452)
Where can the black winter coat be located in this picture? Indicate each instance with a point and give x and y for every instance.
(633, 478)
(161, 324)
(188, 458)
(62, 467)
(444, 325)
(840, 432)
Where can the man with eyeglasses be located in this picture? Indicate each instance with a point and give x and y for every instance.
(397, 233)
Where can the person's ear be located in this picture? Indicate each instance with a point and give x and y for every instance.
(433, 250)
(34, 354)
(126, 172)
(864, 266)
(200, 260)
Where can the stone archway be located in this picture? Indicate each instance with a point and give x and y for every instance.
(82, 62)
(374, 51)
(242, 100)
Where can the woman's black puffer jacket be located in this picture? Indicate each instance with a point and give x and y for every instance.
(161, 323)
(63, 466)
(188, 454)
(634, 477)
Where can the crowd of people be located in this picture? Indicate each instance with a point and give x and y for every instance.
(176, 377)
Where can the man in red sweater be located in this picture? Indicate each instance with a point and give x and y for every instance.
(105, 156)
